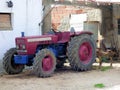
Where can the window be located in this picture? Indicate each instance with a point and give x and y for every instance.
(118, 26)
(5, 21)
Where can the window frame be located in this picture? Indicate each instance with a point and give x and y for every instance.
(10, 27)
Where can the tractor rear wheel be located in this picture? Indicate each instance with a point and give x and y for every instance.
(9, 64)
(82, 52)
(44, 63)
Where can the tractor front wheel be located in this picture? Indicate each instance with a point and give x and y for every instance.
(44, 63)
(9, 64)
(82, 52)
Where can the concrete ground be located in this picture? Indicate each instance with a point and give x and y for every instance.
(63, 79)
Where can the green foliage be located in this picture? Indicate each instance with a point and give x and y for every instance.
(105, 68)
(104, 59)
(99, 85)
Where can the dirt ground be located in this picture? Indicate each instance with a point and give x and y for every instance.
(63, 79)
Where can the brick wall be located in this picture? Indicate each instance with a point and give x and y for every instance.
(62, 12)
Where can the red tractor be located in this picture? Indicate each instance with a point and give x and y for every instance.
(49, 51)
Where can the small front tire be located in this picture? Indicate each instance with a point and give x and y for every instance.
(44, 63)
(9, 64)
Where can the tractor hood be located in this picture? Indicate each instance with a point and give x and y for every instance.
(34, 39)
(28, 45)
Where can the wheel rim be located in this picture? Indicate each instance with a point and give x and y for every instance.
(85, 52)
(47, 63)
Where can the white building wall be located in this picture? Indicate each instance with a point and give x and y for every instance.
(26, 15)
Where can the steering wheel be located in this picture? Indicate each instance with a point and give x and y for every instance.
(52, 31)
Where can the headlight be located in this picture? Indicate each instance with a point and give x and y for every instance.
(17, 46)
(23, 46)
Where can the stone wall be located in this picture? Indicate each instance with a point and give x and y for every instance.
(103, 14)
(94, 15)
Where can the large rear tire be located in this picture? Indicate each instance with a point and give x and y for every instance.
(82, 52)
(8, 62)
(44, 63)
